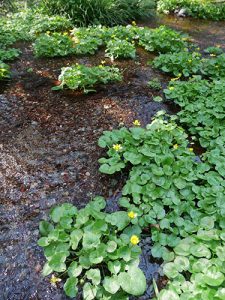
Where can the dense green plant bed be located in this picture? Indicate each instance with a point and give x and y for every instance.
(4, 71)
(202, 106)
(94, 250)
(9, 54)
(53, 45)
(205, 9)
(24, 26)
(85, 78)
(120, 49)
(162, 40)
(190, 63)
(181, 200)
(119, 41)
(105, 12)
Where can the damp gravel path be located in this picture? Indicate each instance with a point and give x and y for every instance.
(49, 153)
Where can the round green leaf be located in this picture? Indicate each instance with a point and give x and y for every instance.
(74, 270)
(213, 277)
(111, 246)
(133, 282)
(89, 291)
(168, 295)
(70, 287)
(111, 284)
(170, 270)
(94, 275)
(181, 263)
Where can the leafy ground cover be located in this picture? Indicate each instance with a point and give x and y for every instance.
(119, 41)
(195, 8)
(169, 193)
(83, 77)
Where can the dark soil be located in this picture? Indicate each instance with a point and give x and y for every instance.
(49, 153)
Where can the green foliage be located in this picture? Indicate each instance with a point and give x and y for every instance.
(184, 63)
(53, 45)
(88, 247)
(43, 23)
(24, 26)
(203, 108)
(4, 71)
(213, 50)
(155, 84)
(9, 54)
(163, 40)
(187, 64)
(119, 41)
(105, 12)
(214, 67)
(83, 77)
(197, 272)
(117, 48)
(195, 8)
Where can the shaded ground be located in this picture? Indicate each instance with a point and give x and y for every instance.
(49, 152)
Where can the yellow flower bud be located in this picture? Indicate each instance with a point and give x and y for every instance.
(175, 146)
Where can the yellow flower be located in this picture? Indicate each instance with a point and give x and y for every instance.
(175, 146)
(137, 123)
(198, 49)
(212, 55)
(132, 215)
(191, 149)
(54, 280)
(65, 33)
(117, 147)
(134, 23)
(48, 32)
(218, 46)
(171, 88)
(103, 62)
(134, 240)
(176, 78)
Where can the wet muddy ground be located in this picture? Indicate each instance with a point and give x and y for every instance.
(49, 153)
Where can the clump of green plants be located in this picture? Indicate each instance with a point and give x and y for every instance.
(196, 271)
(202, 106)
(214, 67)
(155, 84)
(214, 50)
(53, 45)
(85, 78)
(163, 40)
(92, 250)
(105, 12)
(43, 23)
(194, 8)
(9, 54)
(24, 26)
(117, 48)
(181, 63)
(178, 198)
(190, 63)
(4, 71)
